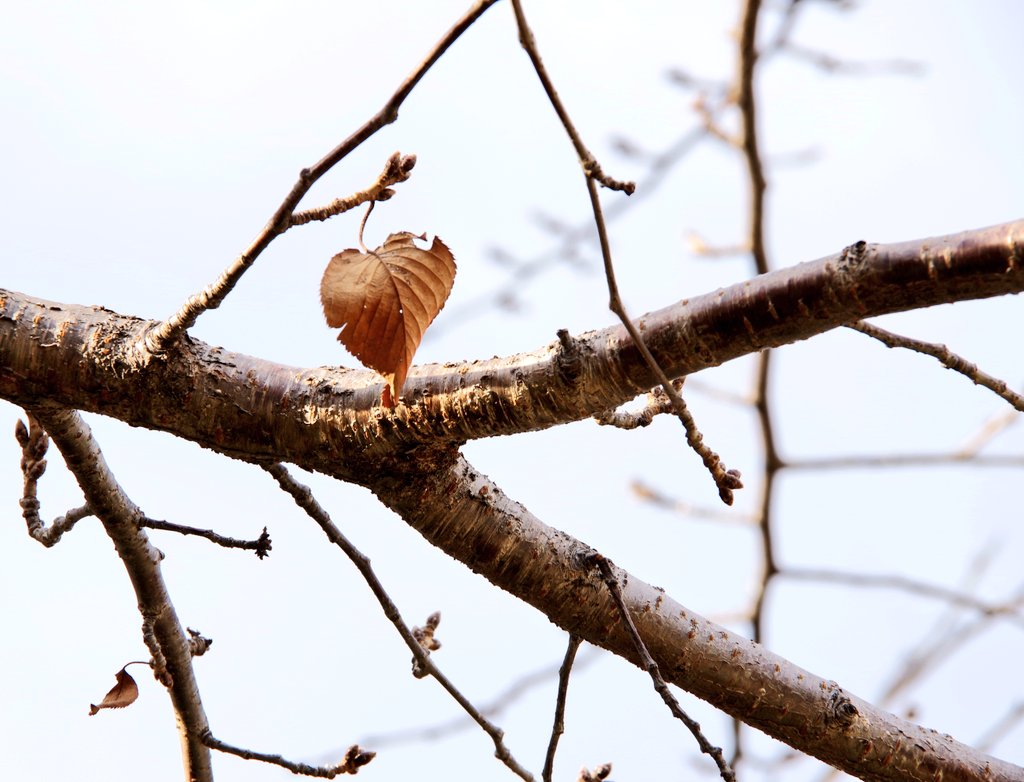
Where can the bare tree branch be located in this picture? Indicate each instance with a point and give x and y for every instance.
(157, 339)
(558, 728)
(948, 359)
(262, 544)
(726, 480)
(304, 499)
(355, 758)
(648, 664)
(161, 628)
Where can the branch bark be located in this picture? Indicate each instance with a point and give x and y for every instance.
(326, 420)
(161, 629)
(329, 419)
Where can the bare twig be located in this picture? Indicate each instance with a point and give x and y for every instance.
(1013, 717)
(566, 247)
(34, 442)
(492, 708)
(160, 337)
(904, 584)
(397, 169)
(558, 728)
(988, 432)
(262, 544)
(648, 664)
(904, 460)
(726, 480)
(649, 494)
(947, 358)
(304, 499)
(355, 758)
(657, 403)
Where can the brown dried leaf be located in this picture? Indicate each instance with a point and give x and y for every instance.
(385, 300)
(121, 694)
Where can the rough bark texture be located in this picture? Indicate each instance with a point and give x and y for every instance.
(329, 420)
(161, 629)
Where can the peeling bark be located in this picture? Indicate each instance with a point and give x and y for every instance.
(329, 420)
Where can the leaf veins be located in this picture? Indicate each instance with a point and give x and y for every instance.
(384, 300)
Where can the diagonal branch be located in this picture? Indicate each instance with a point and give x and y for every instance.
(466, 515)
(726, 480)
(158, 339)
(948, 359)
(304, 499)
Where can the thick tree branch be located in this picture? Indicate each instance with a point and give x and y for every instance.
(469, 517)
(161, 629)
(325, 420)
(329, 419)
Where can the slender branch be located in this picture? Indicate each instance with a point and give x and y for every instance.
(162, 631)
(492, 708)
(904, 584)
(948, 359)
(989, 431)
(905, 460)
(591, 167)
(355, 758)
(558, 728)
(649, 494)
(397, 169)
(166, 333)
(648, 664)
(304, 499)
(726, 480)
(262, 544)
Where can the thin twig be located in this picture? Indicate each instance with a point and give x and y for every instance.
(558, 728)
(902, 583)
(492, 708)
(34, 442)
(355, 758)
(262, 544)
(506, 295)
(988, 432)
(649, 494)
(726, 480)
(397, 169)
(160, 337)
(648, 664)
(946, 357)
(757, 185)
(304, 499)
(904, 460)
(1001, 728)
(657, 403)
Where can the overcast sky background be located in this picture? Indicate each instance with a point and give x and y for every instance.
(144, 146)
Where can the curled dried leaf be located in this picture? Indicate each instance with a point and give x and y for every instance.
(384, 300)
(121, 694)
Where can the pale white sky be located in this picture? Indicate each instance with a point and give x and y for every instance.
(144, 146)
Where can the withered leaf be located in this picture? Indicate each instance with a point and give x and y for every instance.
(385, 299)
(121, 694)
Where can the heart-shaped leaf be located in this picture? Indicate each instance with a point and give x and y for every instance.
(384, 300)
